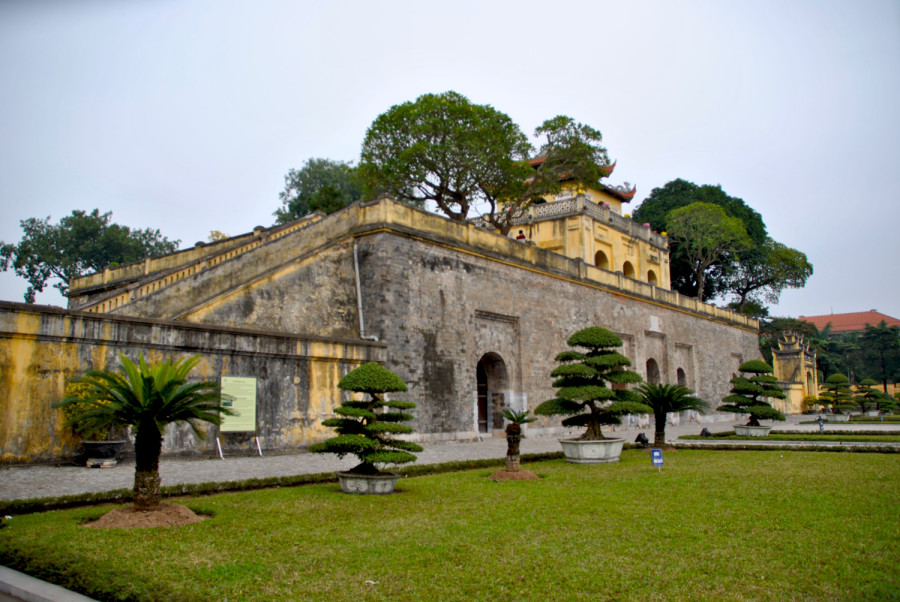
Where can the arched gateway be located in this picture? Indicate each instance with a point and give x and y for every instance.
(493, 382)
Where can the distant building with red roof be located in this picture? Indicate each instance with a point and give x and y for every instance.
(850, 323)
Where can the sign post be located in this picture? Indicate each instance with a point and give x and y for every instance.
(656, 455)
(239, 394)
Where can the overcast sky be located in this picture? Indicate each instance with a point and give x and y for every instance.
(185, 116)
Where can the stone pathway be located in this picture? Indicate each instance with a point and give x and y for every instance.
(31, 482)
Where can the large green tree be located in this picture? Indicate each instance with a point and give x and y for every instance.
(320, 185)
(80, 243)
(881, 349)
(655, 210)
(764, 271)
(570, 153)
(441, 148)
(704, 234)
(445, 149)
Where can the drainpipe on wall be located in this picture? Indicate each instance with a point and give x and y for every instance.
(359, 307)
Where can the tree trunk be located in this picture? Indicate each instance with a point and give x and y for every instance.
(513, 437)
(593, 433)
(659, 429)
(147, 447)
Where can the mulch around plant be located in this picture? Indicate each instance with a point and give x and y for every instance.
(166, 515)
(522, 475)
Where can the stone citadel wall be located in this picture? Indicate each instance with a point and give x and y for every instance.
(441, 309)
(466, 317)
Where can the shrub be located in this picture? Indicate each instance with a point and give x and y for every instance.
(366, 428)
(582, 378)
(749, 394)
(837, 393)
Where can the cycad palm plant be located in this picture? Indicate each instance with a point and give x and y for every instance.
(514, 436)
(147, 397)
(668, 398)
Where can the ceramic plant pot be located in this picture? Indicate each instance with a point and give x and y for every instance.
(379, 484)
(592, 452)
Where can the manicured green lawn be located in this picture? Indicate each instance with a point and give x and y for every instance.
(773, 525)
(828, 435)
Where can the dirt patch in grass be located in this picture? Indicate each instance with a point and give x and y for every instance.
(521, 475)
(166, 515)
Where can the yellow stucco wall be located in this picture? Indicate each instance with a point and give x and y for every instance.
(587, 232)
(40, 348)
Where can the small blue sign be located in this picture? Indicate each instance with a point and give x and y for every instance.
(656, 454)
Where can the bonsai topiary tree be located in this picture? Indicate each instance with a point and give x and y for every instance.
(581, 379)
(837, 393)
(668, 398)
(146, 397)
(366, 428)
(870, 398)
(749, 393)
(866, 397)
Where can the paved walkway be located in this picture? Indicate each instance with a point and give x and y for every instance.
(31, 482)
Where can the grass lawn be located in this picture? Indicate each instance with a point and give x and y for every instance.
(736, 525)
(894, 418)
(828, 435)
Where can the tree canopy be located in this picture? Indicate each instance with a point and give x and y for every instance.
(754, 276)
(570, 153)
(80, 243)
(881, 348)
(440, 148)
(320, 185)
(704, 234)
(764, 271)
(445, 149)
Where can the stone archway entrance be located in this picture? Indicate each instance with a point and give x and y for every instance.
(652, 371)
(493, 384)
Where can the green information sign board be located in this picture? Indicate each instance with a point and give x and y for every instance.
(239, 394)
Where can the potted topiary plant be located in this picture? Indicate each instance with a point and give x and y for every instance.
(366, 428)
(837, 394)
(584, 398)
(867, 397)
(748, 396)
(884, 404)
(101, 444)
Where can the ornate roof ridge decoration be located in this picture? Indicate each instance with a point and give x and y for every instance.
(606, 170)
(621, 192)
(790, 343)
